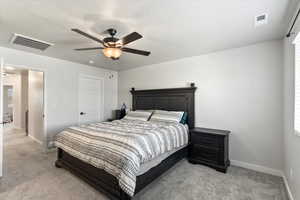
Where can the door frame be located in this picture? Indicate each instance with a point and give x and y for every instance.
(101, 79)
(44, 142)
(1, 117)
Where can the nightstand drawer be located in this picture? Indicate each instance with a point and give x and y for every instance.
(205, 140)
(206, 154)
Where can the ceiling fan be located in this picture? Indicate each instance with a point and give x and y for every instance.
(112, 46)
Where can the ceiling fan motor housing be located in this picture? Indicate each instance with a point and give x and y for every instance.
(110, 39)
(112, 31)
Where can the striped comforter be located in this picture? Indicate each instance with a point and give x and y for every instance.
(121, 146)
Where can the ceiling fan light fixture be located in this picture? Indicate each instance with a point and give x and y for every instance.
(112, 52)
(113, 47)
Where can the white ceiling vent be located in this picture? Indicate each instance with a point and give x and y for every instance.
(260, 20)
(30, 42)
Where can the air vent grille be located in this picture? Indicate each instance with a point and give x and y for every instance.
(261, 20)
(30, 42)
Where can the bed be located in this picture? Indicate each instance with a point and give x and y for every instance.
(174, 99)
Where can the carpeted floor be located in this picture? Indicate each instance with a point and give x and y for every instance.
(30, 174)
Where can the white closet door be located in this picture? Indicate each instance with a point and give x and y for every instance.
(90, 99)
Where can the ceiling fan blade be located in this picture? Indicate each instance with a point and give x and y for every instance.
(136, 51)
(85, 49)
(130, 38)
(87, 35)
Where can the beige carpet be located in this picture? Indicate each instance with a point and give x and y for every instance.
(30, 174)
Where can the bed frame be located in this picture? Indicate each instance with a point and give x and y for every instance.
(173, 99)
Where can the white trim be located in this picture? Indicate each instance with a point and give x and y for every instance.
(258, 168)
(15, 127)
(1, 118)
(36, 140)
(51, 150)
(287, 187)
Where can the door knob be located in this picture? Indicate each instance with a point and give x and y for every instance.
(82, 113)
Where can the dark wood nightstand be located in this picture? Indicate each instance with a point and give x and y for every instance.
(210, 147)
(117, 114)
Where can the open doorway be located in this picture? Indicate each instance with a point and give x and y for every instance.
(22, 136)
(23, 104)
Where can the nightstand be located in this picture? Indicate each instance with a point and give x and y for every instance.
(209, 147)
(117, 114)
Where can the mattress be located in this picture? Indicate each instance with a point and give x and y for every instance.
(156, 161)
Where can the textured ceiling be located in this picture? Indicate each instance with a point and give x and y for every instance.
(172, 29)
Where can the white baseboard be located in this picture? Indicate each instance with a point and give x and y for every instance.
(266, 170)
(287, 187)
(50, 150)
(16, 127)
(36, 140)
(258, 168)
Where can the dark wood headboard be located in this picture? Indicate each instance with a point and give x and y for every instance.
(171, 99)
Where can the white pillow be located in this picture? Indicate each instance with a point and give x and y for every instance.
(167, 116)
(138, 115)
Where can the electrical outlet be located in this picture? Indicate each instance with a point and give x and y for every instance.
(291, 174)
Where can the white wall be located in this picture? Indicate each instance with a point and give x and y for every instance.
(291, 141)
(238, 89)
(15, 81)
(61, 87)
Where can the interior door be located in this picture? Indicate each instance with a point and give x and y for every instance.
(90, 99)
(1, 117)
